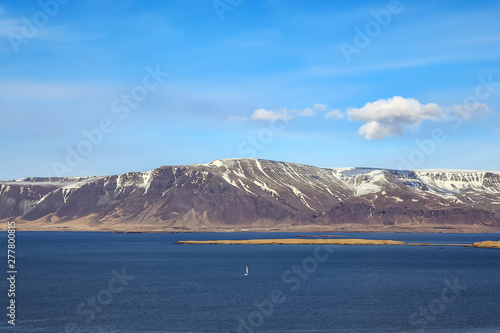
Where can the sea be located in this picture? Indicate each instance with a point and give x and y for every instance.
(140, 282)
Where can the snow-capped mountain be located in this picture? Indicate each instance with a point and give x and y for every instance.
(248, 193)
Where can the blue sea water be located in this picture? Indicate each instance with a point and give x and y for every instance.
(101, 282)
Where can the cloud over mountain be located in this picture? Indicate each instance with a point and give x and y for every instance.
(386, 117)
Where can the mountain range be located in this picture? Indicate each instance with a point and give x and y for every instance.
(253, 194)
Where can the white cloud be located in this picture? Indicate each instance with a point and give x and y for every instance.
(286, 114)
(263, 114)
(236, 118)
(319, 107)
(392, 116)
(334, 115)
(467, 112)
(384, 117)
(307, 112)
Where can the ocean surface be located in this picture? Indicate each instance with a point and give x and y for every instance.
(102, 282)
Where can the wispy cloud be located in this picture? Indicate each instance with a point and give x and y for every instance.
(319, 107)
(337, 71)
(334, 115)
(13, 90)
(18, 30)
(286, 114)
(254, 39)
(8, 25)
(236, 118)
(269, 115)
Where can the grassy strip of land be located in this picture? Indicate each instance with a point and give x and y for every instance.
(299, 242)
(320, 236)
(486, 244)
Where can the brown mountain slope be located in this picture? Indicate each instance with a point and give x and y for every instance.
(248, 193)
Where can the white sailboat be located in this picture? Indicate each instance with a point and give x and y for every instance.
(246, 272)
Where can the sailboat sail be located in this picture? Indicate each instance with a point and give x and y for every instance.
(246, 272)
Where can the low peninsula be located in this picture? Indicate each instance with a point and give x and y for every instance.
(292, 241)
(487, 244)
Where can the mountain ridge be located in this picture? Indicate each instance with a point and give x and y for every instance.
(251, 194)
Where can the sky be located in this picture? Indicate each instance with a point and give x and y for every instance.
(103, 87)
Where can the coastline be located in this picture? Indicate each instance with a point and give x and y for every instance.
(138, 227)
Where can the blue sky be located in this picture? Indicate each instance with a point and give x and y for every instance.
(408, 84)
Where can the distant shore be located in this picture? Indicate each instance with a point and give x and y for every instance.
(136, 227)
